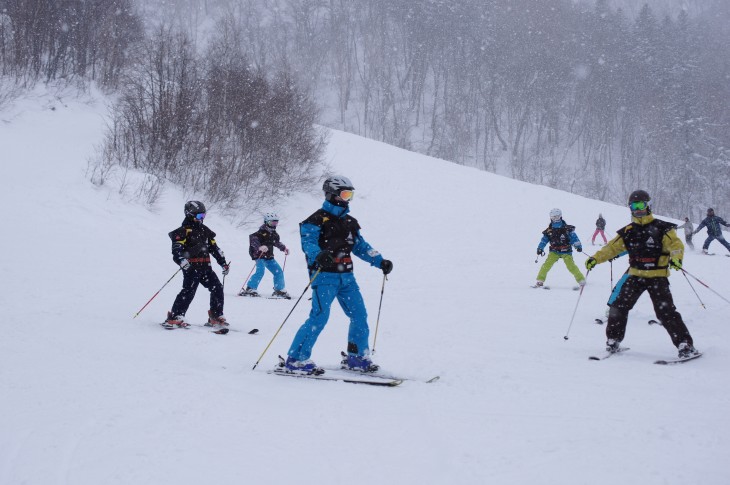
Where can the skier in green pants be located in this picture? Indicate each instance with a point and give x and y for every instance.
(562, 239)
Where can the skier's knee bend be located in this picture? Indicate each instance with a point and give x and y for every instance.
(616, 313)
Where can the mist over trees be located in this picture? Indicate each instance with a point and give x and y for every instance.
(575, 96)
(200, 115)
(55, 40)
(221, 96)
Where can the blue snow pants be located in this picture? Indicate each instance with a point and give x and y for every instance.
(261, 266)
(325, 288)
(721, 240)
(617, 288)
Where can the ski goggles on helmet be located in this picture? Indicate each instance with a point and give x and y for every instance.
(639, 205)
(555, 218)
(346, 194)
(200, 216)
(272, 223)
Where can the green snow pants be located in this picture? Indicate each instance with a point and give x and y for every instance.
(552, 259)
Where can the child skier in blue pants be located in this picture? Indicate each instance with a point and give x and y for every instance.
(329, 237)
(261, 249)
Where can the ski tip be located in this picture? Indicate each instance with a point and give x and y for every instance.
(598, 321)
(593, 357)
(221, 331)
(433, 379)
(253, 331)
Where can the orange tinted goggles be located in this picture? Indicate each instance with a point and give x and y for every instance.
(346, 194)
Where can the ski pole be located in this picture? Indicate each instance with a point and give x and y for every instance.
(287, 318)
(611, 263)
(576, 306)
(284, 267)
(158, 292)
(377, 322)
(705, 285)
(693, 289)
(224, 276)
(247, 277)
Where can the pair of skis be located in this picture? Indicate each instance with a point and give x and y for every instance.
(680, 360)
(599, 321)
(272, 297)
(546, 287)
(349, 376)
(218, 331)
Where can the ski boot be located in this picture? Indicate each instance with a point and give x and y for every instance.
(304, 367)
(686, 350)
(219, 321)
(175, 321)
(281, 294)
(359, 363)
(612, 345)
(248, 292)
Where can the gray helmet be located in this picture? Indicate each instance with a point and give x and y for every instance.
(194, 207)
(556, 214)
(334, 185)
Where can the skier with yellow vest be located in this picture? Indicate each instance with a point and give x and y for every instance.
(653, 247)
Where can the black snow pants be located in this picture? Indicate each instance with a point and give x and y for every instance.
(191, 279)
(661, 297)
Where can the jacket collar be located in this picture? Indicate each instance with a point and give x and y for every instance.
(643, 220)
(335, 210)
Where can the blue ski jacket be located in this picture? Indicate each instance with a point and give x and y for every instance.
(572, 242)
(310, 235)
(712, 223)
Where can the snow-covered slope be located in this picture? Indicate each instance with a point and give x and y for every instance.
(89, 395)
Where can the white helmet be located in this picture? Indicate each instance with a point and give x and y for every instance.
(556, 214)
(271, 216)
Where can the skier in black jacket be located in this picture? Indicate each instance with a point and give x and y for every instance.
(192, 246)
(714, 231)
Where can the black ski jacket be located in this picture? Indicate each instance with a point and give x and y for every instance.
(195, 242)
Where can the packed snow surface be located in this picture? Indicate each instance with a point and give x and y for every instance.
(89, 395)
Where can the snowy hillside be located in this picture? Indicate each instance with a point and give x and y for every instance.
(89, 395)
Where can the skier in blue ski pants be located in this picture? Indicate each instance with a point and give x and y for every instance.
(327, 287)
(261, 266)
(330, 237)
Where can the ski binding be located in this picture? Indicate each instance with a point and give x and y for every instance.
(608, 354)
(679, 361)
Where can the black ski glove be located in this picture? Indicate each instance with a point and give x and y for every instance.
(540, 252)
(386, 266)
(324, 258)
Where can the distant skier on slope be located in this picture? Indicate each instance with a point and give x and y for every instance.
(600, 227)
(192, 246)
(261, 250)
(329, 237)
(653, 247)
(714, 231)
(562, 239)
(688, 231)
